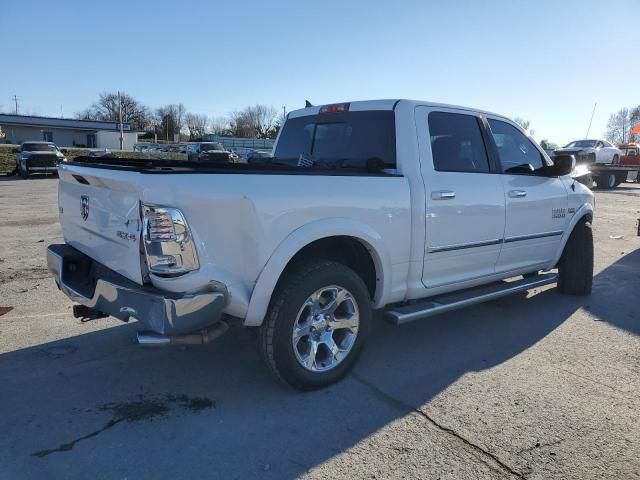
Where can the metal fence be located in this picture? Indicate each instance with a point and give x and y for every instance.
(242, 143)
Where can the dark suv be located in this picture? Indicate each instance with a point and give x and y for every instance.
(38, 157)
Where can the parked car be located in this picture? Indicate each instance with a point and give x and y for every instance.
(258, 156)
(38, 157)
(409, 207)
(145, 147)
(208, 151)
(101, 152)
(591, 151)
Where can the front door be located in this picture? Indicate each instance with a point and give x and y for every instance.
(536, 215)
(91, 140)
(465, 206)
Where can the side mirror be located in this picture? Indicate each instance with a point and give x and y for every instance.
(15, 150)
(562, 165)
(63, 150)
(633, 153)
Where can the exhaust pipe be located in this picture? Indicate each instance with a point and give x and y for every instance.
(203, 337)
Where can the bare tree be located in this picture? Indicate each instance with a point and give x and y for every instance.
(86, 114)
(634, 117)
(240, 125)
(196, 124)
(525, 124)
(619, 126)
(170, 119)
(258, 121)
(108, 108)
(219, 126)
(547, 145)
(263, 118)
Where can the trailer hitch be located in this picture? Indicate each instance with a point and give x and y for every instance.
(86, 314)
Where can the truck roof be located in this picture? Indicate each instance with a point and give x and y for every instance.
(385, 104)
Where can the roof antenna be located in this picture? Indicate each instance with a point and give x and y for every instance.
(307, 104)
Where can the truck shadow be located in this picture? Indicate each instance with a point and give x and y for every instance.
(616, 291)
(101, 403)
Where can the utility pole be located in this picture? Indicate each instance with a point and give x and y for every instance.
(592, 114)
(15, 99)
(120, 117)
(284, 113)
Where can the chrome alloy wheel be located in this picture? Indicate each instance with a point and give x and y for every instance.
(325, 329)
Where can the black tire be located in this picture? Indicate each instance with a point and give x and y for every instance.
(276, 333)
(615, 160)
(609, 181)
(23, 173)
(576, 264)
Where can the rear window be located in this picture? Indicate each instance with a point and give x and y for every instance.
(207, 147)
(338, 140)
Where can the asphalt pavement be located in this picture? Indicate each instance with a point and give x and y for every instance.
(534, 386)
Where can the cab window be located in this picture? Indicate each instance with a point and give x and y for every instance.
(456, 143)
(517, 153)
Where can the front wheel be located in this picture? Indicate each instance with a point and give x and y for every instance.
(316, 325)
(615, 160)
(575, 269)
(23, 171)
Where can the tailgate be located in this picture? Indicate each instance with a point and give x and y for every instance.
(100, 216)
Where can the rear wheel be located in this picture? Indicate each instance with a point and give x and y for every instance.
(615, 160)
(316, 325)
(575, 268)
(609, 180)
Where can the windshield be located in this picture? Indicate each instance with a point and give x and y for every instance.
(39, 147)
(338, 140)
(582, 144)
(206, 147)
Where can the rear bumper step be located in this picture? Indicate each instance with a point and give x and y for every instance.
(445, 303)
(93, 285)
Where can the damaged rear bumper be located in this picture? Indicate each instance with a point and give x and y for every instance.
(90, 283)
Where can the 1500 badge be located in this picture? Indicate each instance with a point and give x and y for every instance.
(558, 212)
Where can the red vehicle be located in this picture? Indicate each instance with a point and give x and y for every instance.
(629, 154)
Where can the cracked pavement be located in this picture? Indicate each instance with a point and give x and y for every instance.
(533, 386)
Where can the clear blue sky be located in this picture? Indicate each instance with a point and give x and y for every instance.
(545, 60)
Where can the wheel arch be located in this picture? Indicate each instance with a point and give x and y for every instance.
(584, 213)
(301, 242)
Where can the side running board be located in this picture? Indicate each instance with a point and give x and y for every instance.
(452, 301)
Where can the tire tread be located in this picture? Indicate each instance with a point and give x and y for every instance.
(576, 264)
(280, 297)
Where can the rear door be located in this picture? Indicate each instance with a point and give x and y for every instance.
(536, 205)
(465, 206)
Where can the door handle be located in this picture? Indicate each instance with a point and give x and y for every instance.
(443, 195)
(517, 193)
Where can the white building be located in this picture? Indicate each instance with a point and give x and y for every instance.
(66, 132)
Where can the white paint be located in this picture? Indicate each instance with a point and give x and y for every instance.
(247, 227)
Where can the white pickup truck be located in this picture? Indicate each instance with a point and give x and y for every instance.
(412, 208)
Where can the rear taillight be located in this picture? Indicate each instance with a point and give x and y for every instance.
(335, 108)
(168, 244)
